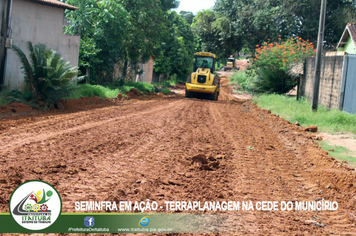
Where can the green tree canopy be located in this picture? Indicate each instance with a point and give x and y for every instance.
(234, 24)
(118, 32)
(176, 52)
(187, 16)
(102, 26)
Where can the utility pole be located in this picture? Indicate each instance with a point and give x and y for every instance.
(318, 56)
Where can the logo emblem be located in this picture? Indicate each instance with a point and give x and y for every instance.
(144, 221)
(35, 205)
(89, 221)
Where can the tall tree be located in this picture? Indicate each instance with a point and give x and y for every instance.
(256, 21)
(102, 26)
(203, 27)
(187, 16)
(118, 32)
(177, 50)
(148, 27)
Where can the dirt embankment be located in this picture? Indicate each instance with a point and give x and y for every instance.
(173, 148)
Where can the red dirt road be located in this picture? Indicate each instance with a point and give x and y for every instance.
(144, 150)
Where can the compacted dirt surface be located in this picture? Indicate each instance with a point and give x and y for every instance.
(170, 148)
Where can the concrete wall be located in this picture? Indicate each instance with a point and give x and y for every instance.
(3, 9)
(157, 78)
(330, 80)
(148, 71)
(147, 68)
(39, 24)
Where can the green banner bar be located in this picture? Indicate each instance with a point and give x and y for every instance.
(120, 223)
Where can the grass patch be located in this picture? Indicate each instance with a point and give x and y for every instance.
(169, 83)
(163, 87)
(4, 97)
(88, 90)
(290, 109)
(339, 153)
(242, 79)
(165, 90)
(7, 96)
(140, 86)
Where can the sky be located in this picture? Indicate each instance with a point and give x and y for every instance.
(194, 5)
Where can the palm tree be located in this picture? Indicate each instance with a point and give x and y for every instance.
(47, 75)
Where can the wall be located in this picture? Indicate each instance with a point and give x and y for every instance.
(39, 24)
(3, 9)
(148, 71)
(350, 46)
(330, 80)
(147, 68)
(158, 78)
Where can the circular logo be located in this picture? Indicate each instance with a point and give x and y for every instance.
(35, 205)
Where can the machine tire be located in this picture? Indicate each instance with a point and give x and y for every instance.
(188, 94)
(214, 96)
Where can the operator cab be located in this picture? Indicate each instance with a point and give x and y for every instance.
(204, 60)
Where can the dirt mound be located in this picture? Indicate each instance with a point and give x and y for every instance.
(85, 103)
(15, 107)
(204, 163)
(311, 128)
(135, 91)
(133, 94)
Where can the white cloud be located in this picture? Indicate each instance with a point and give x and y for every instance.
(194, 5)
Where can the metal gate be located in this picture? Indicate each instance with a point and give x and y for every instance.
(348, 89)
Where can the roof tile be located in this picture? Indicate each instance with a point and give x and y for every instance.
(352, 30)
(55, 3)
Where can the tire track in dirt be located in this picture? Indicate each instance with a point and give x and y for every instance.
(24, 138)
(144, 151)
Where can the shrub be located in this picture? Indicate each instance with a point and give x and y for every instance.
(165, 90)
(243, 79)
(277, 64)
(273, 81)
(283, 55)
(48, 76)
(329, 120)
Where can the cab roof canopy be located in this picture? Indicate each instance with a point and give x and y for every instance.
(205, 54)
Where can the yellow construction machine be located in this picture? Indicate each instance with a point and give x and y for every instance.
(203, 80)
(230, 65)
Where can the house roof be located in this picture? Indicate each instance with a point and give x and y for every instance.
(55, 3)
(350, 31)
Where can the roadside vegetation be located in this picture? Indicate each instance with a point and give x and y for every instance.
(50, 79)
(289, 108)
(7, 96)
(88, 90)
(47, 76)
(330, 121)
(275, 66)
(340, 153)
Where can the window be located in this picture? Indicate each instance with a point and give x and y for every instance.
(207, 61)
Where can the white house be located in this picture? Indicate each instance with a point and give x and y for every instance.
(37, 21)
